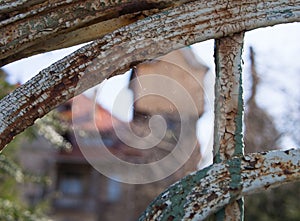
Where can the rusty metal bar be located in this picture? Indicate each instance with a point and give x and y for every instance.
(229, 106)
(228, 137)
(130, 45)
(204, 192)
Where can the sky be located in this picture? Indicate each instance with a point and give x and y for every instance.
(278, 64)
(277, 55)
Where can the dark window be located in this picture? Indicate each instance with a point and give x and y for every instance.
(113, 190)
(72, 187)
(71, 184)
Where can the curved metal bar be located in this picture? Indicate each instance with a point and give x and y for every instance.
(118, 51)
(203, 193)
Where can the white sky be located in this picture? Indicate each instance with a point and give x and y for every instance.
(277, 58)
(277, 54)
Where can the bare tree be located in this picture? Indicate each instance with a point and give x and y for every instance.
(130, 32)
(261, 133)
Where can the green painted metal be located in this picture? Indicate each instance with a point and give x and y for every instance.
(204, 192)
(229, 108)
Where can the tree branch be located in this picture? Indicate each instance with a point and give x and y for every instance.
(116, 52)
(203, 193)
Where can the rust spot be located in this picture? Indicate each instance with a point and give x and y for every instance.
(267, 186)
(212, 196)
(192, 215)
(74, 80)
(196, 206)
(198, 195)
(170, 218)
(13, 133)
(276, 164)
(287, 172)
(4, 16)
(161, 207)
(287, 152)
(251, 165)
(82, 58)
(59, 87)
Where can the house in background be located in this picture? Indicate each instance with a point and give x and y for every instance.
(171, 87)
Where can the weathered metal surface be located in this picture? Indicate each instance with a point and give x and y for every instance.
(23, 33)
(146, 39)
(199, 194)
(203, 193)
(26, 25)
(229, 106)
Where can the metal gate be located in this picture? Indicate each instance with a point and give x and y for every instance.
(233, 174)
(220, 188)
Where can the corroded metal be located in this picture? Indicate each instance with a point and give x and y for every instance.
(26, 25)
(200, 194)
(116, 52)
(72, 22)
(229, 106)
(204, 192)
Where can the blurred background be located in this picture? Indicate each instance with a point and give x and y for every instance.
(44, 175)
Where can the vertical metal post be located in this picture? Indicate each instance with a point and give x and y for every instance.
(228, 137)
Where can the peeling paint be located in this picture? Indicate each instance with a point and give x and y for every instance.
(110, 49)
(228, 99)
(209, 190)
(46, 19)
(201, 193)
(229, 107)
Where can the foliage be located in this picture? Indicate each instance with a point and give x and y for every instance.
(277, 204)
(52, 128)
(12, 212)
(5, 87)
(11, 174)
(9, 167)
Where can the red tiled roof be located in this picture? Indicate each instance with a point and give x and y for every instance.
(89, 115)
